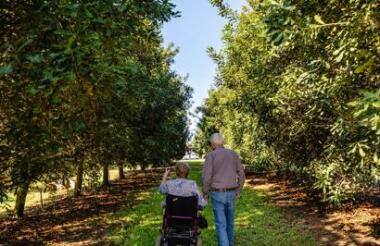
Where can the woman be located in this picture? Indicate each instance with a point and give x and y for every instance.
(181, 186)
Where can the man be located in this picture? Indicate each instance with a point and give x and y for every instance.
(223, 178)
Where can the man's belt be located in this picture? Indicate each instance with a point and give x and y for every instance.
(223, 189)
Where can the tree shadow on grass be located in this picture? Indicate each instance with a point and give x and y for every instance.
(259, 223)
(77, 220)
(352, 226)
(256, 223)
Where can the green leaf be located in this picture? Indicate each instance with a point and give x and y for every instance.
(318, 19)
(27, 42)
(367, 66)
(353, 103)
(36, 110)
(56, 100)
(70, 41)
(340, 57)
(88, 14)
(359, 69)
(337, 51)
(361, 152)
(5, 70)
(47, 75)
(32, 90)
(35, 58)
(70, 76)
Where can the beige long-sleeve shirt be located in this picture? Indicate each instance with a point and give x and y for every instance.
(222, 169)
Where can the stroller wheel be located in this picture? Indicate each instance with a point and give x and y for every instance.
(159, 241)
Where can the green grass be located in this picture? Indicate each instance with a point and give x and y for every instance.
(256, 221)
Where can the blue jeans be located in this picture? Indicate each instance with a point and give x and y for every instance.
(223, 205)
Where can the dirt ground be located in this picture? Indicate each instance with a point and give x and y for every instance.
(85, 220)
(77, 221)
(354, 224)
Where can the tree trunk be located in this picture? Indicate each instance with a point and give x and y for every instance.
(41, 198)
(79, 180)
(105, 175)
(121, 171)
(22, 191)
(66, 182)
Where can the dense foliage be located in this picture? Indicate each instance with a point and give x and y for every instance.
(83, 85)
(298, 88)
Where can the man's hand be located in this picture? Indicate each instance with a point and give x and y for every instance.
(206, 197)
(167, 171)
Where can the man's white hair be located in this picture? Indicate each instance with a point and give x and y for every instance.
(217, 139)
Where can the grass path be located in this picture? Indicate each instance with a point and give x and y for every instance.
(256, 221)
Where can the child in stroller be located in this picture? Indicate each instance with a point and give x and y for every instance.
(183, 200)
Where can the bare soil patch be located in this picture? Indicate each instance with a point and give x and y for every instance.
(77, 221)
(354, 224)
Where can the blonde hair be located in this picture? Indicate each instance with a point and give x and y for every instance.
(182, 169)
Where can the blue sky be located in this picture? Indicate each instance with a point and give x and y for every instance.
(198, 27)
